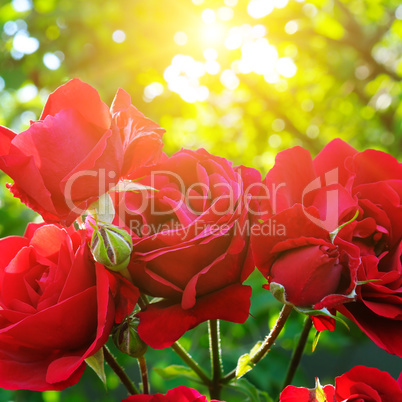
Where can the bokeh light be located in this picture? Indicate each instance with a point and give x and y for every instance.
(119, 36)
(51, 61)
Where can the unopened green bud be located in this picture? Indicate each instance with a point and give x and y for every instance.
(111, 246)
(127, 340)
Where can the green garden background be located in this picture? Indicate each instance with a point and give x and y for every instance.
(244, 79)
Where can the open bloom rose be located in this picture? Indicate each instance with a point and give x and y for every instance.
(178, 394)
(190, 242)
(358, 384)
(374, 178)
(293, 246)
(57, 307)
(76, 151)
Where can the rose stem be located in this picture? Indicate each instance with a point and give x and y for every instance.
(298, 352)
(185, 356)
(216, 358)
(268, 341)
(144, 374)
(112, 362)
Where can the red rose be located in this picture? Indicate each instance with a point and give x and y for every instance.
(301, 394)
(76, 151)
(191, 243)
(374, 178)
(313, 272)
(293, 246)
(358, 384)
(367, 384)
(46, 278)
(178, 394)
(141, 137)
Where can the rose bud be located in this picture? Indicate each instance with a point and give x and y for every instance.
(112, 247)
(127, 340)
(308, 273)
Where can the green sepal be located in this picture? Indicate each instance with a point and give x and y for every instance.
(175, 370)
(319, 391)
(315, 340)
(278, 291)
(103, 209)
(334, 233)
(130, 185)
(156, 300)
(359, 283)
(324, 311)
(97, 364)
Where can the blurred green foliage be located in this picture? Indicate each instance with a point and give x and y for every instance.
(243, 79)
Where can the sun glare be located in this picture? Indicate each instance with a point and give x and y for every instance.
(213, 33)
(260, 8)
(249, 43)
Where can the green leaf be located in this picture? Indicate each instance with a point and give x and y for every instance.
(97, 364)
(253, 394)
(316, 339)
(175, 370)
(244, 365)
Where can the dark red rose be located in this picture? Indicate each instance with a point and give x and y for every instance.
(178, 394)
(190, 242)
(367, 384)
(77, 151)
(57, 307)
(375, 180)
(293, 246)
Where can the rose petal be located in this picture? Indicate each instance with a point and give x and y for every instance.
(333, 156)
(161, 324)
(289, 178)
(367, 383)
(81, 97)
